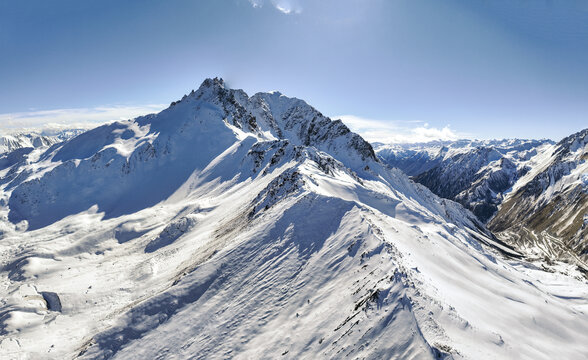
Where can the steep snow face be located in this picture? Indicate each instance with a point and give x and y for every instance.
(122, 167)
(477, 174)
(215, 230)
(148, 158)
(544, 214)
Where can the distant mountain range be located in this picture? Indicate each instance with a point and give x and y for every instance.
(11, 142)
(546, 211)
(531, 193)
(475, 173)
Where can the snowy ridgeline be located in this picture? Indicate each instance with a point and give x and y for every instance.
(230, 226)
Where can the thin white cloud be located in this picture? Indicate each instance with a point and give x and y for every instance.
(256, 3)
(395, 132)
(71, 118)
(284, 6)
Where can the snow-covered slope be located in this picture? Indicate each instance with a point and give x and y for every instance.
(546, 214)
(475, 173)
(230, 226)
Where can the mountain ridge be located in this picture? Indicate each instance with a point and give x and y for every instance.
(193, 231)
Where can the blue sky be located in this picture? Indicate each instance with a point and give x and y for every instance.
(395, 70)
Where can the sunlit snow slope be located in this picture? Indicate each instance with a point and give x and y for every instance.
(230, 226)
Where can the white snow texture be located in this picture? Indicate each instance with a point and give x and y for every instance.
(229, 226)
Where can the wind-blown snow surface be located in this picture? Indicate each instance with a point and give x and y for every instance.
(230, 226)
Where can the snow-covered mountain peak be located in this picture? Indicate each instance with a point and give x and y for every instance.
(229, 226)
(213, 82)
(209, 86)
(142, 155)
(272, 115)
